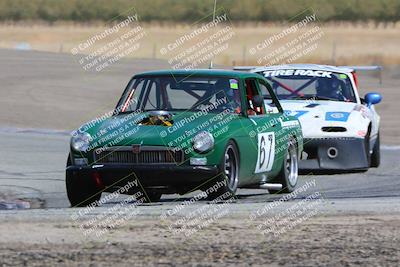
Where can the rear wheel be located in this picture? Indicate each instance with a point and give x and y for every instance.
(376, 154)
(288, 175)
(225, 185)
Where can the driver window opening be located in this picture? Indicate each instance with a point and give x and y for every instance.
(269, 102)
(251, 92)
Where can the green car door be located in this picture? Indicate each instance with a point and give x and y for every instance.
(266, 130)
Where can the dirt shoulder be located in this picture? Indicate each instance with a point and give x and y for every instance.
(330, 240)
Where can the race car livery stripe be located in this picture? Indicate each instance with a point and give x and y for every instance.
(337, 116)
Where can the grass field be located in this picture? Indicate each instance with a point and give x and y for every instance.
(340, 43)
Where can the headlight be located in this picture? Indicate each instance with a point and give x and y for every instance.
(203, 142)
(80, 141)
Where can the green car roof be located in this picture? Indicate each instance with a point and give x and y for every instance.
(201, 72)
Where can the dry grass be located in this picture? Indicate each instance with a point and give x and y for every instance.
(353, 44)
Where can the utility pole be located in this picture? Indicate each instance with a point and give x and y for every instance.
(215, 7)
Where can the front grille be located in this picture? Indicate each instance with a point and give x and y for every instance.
(147, 155)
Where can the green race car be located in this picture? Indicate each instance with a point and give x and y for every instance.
(177, 131)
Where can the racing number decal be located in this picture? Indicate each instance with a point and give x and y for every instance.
(266, 152)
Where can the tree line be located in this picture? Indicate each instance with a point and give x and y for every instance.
(195, 10)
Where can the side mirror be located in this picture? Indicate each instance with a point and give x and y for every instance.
(372, 99)
(257, 101)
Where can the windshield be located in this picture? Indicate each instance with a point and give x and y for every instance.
(309, 84)
(174, 93)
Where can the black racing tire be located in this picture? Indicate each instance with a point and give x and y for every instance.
(367, 152)
(376, 153)
(288, 175)
(367, 148)
(226, 182)
(81, 191)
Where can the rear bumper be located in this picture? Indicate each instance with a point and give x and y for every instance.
(350, 154)
(148, 175)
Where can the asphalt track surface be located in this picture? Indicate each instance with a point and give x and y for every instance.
(41, 91)
(33, 162)
(357, 222)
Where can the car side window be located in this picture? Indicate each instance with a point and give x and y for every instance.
(251, 92)
(270, 103)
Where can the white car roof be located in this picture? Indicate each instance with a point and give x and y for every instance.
(306, 67)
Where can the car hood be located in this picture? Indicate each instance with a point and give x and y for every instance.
(127, 129)
(313, 115)
(309, 109)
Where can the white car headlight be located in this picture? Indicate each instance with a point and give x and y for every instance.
(80, 141)
(203, 142)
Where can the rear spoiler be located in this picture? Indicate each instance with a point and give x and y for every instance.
(245, 68)
(377, 68)
(366, 68)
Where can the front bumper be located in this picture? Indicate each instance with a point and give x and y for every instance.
(168, 175)
(350, 154)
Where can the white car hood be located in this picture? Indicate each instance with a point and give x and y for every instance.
(313, 115)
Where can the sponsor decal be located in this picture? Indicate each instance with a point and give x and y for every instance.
(295, 113)
(289, 123)
(266, 152)
(337, 116)
(234, 84)
(293, 72)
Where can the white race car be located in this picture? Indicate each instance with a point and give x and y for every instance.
(340, 129)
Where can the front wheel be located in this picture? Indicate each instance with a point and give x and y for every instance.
(225, 185)
(81, 191)
(288, 175)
